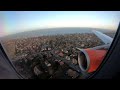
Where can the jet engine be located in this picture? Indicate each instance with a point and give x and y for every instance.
(90, 59)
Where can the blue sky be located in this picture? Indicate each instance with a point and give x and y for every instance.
(19, 21)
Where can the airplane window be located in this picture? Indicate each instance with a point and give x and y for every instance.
(57, 44)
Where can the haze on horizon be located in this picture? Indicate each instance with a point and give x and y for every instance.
(19, 21)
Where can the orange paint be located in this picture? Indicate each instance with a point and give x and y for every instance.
(96, 57)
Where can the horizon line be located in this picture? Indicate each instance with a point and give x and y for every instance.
(56, 28)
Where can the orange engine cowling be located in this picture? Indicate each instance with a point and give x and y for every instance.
(90, 59)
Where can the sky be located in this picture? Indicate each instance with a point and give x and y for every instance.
(19, 21)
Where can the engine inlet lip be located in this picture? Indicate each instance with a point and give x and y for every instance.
(87, 58)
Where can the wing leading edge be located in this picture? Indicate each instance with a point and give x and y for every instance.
(106, 39)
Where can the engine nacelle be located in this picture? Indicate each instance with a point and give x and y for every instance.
(90, 59)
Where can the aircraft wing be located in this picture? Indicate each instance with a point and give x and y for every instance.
(106, 39)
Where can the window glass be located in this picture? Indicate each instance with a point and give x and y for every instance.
(57, 44)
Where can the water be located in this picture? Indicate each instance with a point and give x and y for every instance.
(51, 31)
